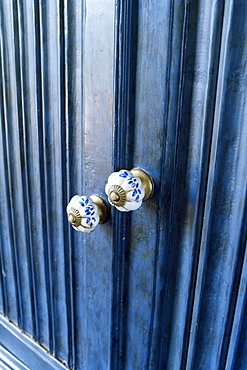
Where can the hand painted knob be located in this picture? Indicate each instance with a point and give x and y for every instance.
(126, 190)
(85, 213)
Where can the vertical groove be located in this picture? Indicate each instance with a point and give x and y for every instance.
(39, 65)
(12, 146)
(123, 136)
(43, 58)
(7, 294)
(66, 177)
(165, 359)
(235, 315)
(213, 32)
(3, 294)
(21, 57)
(52, 88)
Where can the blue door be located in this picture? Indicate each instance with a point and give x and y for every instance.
(89, 87)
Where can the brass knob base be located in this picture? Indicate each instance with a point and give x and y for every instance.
(103, 209)
(147, 181)
(74, 217)
(117, 196)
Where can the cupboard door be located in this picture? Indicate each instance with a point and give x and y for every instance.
(95, 86)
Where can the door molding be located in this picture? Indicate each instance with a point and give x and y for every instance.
(18, 350)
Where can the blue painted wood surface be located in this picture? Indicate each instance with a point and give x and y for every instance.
(14, 343)
(89, 87)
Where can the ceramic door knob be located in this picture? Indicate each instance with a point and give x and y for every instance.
(85, 213)
(126, 190)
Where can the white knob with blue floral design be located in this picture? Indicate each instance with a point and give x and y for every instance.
(126, 190)
(85, 213)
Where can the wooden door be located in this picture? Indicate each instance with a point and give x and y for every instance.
(90, 87)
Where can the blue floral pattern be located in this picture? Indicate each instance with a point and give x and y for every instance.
(131, 185)
(123, 174)
(88, 211)
(132, 181)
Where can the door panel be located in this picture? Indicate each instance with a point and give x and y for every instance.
(91, 87)
(31, 119)
(96, 253)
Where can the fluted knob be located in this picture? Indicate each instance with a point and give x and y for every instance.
(85, 213)
(126, 190)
